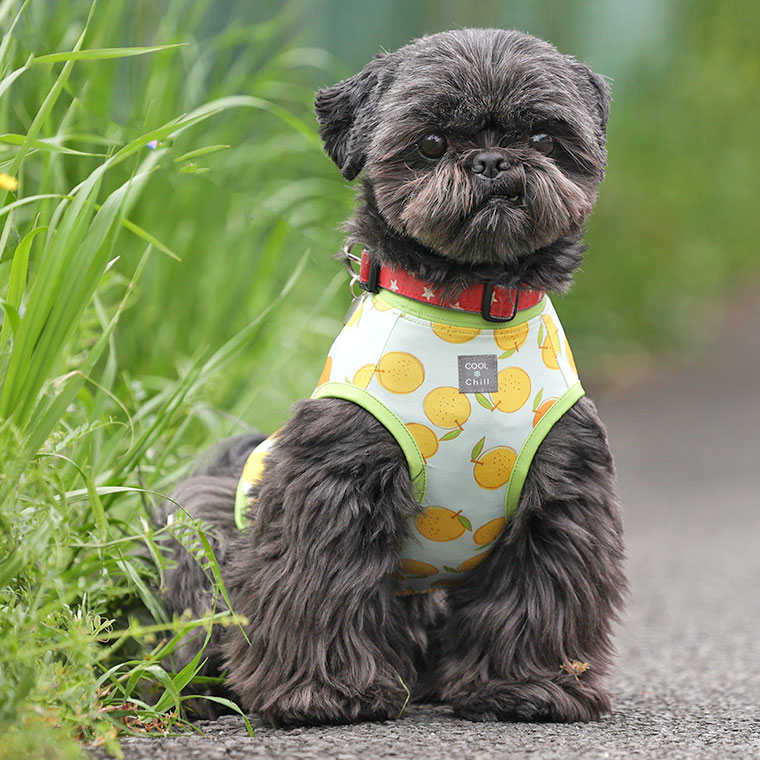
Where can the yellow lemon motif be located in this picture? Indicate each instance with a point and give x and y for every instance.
(570, 357)
(254, 467)
(549, 355)
(426, 439)
(473, 562)
(363, 375)
(418, 569)
(326, 371)
(447, 407)
(511, 338)
(400, 372)
(441, 524)
(489, 532)
(494, 468)
(452, 334)
(381, 305)
(549, 323)
(514, 390)
(355, 316)
(542, 410)
(550, 346)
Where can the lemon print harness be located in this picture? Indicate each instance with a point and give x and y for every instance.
(469, 402)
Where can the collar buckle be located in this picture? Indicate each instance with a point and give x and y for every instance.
(372, 283)
(485, 304)
(369, 273)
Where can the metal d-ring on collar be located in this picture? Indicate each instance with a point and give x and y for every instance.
(485, 304)
(351, 260)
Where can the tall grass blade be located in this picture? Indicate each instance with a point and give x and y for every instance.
(8, 80)
(50, 411)
(103, 53)
(12, 139)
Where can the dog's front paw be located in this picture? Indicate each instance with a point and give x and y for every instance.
(553, 700)
(315, 704)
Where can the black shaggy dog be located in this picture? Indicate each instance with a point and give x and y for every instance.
(481, 152)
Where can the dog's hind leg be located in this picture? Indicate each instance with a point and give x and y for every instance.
(327, 638)
(208, 494)
(529, 635)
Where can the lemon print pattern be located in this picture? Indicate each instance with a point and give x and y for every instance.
(570, 357)
(452, 334)
(441, 524)
(379, 305)
(253, 471)
(493, 467)
(490, 531)
(511, 339)
(363, 375)
(254, 466)
(356, 316)
(468, 452)
(425, 438)
(417, 569)
(542, 410)
(541, 406)
(473, 562)
(514, 390)
(549, 343)
(400, 372)
(446, 407)
(326, 372)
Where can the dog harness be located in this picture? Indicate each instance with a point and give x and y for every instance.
(468, 401)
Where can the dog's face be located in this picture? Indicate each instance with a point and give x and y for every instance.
(484, 145)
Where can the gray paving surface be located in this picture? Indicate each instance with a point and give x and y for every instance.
(687, 444)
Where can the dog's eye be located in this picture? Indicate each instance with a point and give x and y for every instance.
(433, 145)
(542, 143)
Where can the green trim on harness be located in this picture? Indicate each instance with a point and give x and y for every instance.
(533, 441)
(390, 420)
(241, 506)
(451, 317)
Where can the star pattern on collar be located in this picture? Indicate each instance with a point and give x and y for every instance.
(394, 285)
(427, 293)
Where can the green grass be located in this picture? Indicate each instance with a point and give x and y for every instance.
(674, 234)
(156, 300)
(157, 252)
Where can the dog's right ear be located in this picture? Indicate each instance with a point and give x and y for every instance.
(597, 90)
(345, 113)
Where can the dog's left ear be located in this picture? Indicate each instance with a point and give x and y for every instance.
(597, 91)
(345, 114)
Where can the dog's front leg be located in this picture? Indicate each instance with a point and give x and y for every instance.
(529, 637)
(313, 574)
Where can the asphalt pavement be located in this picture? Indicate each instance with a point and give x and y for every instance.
(687, 685)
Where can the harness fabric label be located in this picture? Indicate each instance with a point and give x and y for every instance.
(478, 373)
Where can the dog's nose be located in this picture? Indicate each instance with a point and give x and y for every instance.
(489, 164)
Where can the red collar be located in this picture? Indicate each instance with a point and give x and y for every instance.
(493, 302)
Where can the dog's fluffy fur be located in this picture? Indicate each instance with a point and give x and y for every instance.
(330, 641)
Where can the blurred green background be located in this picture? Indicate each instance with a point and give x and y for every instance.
(156, 297)
(673, 232)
